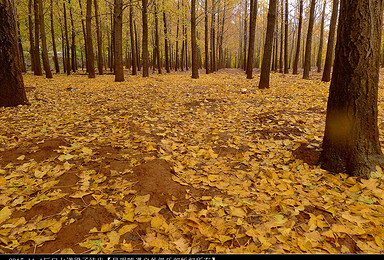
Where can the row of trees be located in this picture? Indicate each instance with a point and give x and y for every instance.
(116, 34)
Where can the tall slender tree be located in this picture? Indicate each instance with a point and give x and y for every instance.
(331, 42)
(157, 41)
(266, 63)
(166, 51)
(99, 39)
(351, 139)
(66, 51)
(195, 71)
(252, 35)
(55, 57)
(132, 37)
(308, 45)
(145, 55)
(12, 91)
(297, 54)
(89, 47)
(286, 63)
(44, 53)
(118, 48)
(38, 71)
(320, 52)
(31, 38)
(206, 37)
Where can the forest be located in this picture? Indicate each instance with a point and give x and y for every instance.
(191, 127)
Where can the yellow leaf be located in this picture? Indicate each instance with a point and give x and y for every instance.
(237, 212)
(224, 238)
(5, 213)
(86, 150)
(67, 251)
(20, 158)
(127, 228)
(182, 245)
(114, 238)
(127, 247)
(105, 228)
(80, 194)
(56, 227)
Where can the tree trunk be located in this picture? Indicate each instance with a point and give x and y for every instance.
(23, 66)
(244, 67)
(266, 63)
(12, 91)
(308, 45)
(206, 37)
(331, 42)
(67, 62)
(44, 53)
(90, 55)
(38, 71)
(55, 58)
(145, 39)
(297, 54)
(252, 32)
(73, 45)
(118, 48)
(132, 35)
(286, 63)
(213, 52)
(166, 52)
(137, 47)
(281, 37)
(351, 138)
(157, 43)
(31, 38)
(195, 65)
(84, 35)
(177, 39)
(99, 40)
(320, 53)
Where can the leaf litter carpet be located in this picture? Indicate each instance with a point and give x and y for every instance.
(168, 164)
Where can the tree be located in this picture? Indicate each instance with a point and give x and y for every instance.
(266, 63)
(66, 51)
(252, 34)
(206, 37)
(12, 91)
(89, 47)
(351, 138)
(118, 48)
(55, 58)
(308, 45)
(320, 52)
(145, 54)
(331, 42)
(31, 38)
(297, 54)
(47, 69)
(166, 52)
(132, 35)
(99, 40)
(38, 71)
(157, 42)
(195, 65)
(286, 64)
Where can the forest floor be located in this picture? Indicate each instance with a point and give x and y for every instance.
(167, 164)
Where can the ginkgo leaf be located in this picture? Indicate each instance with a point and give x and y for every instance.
(127, 228)
(5, 213)
(79, 194)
